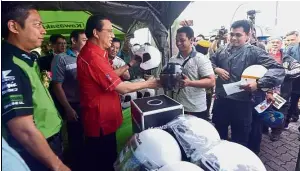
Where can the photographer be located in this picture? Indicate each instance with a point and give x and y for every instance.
(220, 40)
(198, 75)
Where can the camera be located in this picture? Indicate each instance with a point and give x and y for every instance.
(221, 33)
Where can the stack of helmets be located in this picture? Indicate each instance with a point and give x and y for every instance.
(229, 156)
(148, 150)
(126, 98)
(147, 92)
(187, 144)
(194, 135)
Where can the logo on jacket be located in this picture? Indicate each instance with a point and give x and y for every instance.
(5, 76)
(108, 77)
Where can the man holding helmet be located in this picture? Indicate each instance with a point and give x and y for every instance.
(197, 75)
(229, 63)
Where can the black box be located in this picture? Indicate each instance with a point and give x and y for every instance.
(153, 112)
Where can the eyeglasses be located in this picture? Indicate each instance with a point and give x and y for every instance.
(109, 30)
(238, 35)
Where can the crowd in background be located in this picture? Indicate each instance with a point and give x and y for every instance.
(81, 85)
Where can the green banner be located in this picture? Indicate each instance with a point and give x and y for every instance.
(64, 22)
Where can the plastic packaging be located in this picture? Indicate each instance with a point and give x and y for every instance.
(147, 151)
(229, 156)
(195, 136)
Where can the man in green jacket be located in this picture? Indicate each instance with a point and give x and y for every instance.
(29, 117)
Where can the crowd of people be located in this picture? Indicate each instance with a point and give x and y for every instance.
(87, 78)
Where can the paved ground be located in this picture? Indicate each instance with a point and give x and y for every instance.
(281, 155)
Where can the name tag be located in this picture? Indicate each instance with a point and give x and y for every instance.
(71, 66)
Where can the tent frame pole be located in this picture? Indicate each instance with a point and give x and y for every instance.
(170, 34)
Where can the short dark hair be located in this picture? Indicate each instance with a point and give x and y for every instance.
(17, 11)
(94, 22)
(201, 35)
(292, 33)
(75, 34)
(116, 40)
(53, 38)
(245, 24)
(187, 30)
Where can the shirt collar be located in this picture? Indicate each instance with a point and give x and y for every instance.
(96, 49)
(191, 55)
(19, 53)
(94, 46)
(70, 52)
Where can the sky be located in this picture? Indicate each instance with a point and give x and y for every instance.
(209, 15)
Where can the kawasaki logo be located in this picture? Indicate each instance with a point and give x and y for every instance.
(5, 76)
(64, 25)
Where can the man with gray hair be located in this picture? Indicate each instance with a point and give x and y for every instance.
(293, 50)
(292, 71)
(292, 38)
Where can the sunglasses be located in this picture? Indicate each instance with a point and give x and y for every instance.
(236, 35)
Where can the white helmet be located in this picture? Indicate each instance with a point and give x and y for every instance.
(147, 92)
(126, 98)
(181, 166)
(144, 92)
(148, 150)
(138, 80)
(252, 73)
(229, 156)
(151, 56)
(195, 136)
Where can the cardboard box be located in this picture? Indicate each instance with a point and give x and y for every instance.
(154, 112)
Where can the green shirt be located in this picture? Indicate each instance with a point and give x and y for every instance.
(23, 92)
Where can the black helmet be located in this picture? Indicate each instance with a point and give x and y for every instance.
(170, 76)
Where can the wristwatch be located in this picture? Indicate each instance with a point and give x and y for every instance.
(261, 88)
(128, 64)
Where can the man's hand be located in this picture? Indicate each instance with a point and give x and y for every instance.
(184, 82)
(137, 58)
(152, 82)
(64, 168)
(270, 98)
(222, 73)
(134, 62)
(61, 167)
(71, 114)
(25, 132)
(249, 87)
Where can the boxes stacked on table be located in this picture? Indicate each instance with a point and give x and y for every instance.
(154, 112)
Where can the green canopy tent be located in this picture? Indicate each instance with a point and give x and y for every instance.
(64, 22)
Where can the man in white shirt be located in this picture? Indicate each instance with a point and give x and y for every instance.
(116, 61)
(198, 75)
